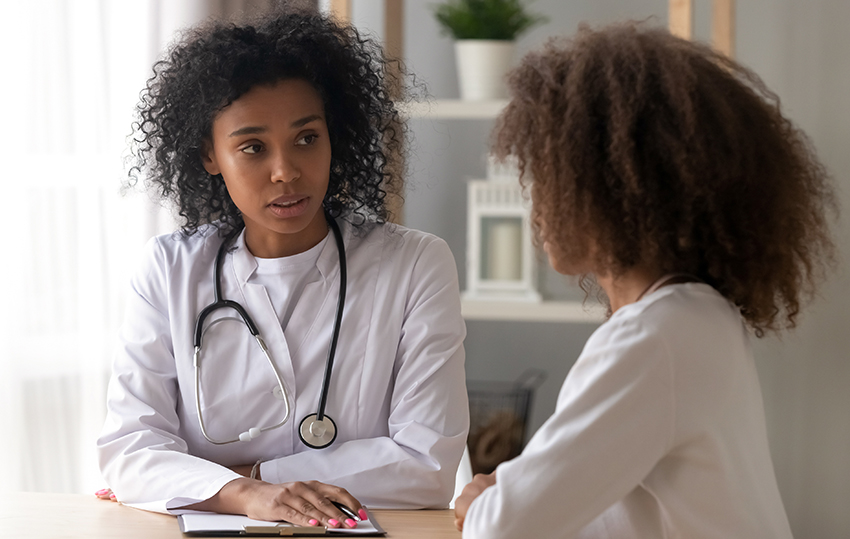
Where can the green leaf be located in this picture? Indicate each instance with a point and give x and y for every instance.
(485, 19)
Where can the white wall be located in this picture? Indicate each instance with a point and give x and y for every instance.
(800, 49)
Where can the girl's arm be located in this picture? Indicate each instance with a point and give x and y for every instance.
(613, 423)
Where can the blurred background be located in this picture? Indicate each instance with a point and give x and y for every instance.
(72, 71)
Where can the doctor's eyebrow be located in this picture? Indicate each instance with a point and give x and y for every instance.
(258, 129)
(251, 130)
(305, 120)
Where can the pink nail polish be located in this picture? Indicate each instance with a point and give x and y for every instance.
(112, 496)
(313, 522)
(363, 515)
(101, 492)
(333, 522)
(351, 523)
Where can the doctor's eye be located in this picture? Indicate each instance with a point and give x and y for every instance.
(252, 149)
(306, 140)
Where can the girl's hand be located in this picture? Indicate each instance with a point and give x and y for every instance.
(307, 503)
(245, 470)
(471, 491)
(106, 494)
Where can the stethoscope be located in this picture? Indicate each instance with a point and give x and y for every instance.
(316, 430)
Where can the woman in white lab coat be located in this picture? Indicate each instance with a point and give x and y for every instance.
(666, 173)
(265, 137)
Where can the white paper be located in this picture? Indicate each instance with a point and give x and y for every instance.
(197, 522)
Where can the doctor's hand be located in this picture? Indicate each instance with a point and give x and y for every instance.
(471, 491)
(308, 503)
(106, 494)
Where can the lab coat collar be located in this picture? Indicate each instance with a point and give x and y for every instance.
(328, 262)
(244, 263)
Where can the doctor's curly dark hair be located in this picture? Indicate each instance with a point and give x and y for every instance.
(217, 62)
(655, 152)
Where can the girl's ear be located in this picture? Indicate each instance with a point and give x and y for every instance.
(208, 159)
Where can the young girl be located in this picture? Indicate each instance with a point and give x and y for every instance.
(288, 348)
(665, 172)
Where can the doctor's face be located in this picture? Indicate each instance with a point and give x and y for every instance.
(272, 148)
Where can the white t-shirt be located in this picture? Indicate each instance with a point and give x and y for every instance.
(659, 432)
(284, 279)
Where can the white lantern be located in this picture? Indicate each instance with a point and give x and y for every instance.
(500, 256)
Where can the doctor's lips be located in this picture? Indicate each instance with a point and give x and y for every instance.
(289, 205)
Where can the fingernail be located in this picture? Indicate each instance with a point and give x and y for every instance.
(333, 522)
(313, 522)
(112, 496)
(363, 515)
(101, 492)
(351, 523)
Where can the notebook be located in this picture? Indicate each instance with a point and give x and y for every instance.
(200, 524)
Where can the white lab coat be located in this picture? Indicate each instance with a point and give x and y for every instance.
(659, 432)
(397, 394)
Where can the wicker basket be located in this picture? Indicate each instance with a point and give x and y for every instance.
(498, 419)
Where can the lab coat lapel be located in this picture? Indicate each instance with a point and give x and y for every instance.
(317, 306)
(258, 305)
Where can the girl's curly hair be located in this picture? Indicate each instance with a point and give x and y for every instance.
(217, 62)
(650, 150)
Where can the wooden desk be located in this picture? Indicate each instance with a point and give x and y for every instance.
(29, 515)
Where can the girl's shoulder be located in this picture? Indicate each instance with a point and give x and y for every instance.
(690, 321)
(680, 305)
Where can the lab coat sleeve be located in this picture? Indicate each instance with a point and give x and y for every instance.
(614, 422)
(415, 465)
(141, 456)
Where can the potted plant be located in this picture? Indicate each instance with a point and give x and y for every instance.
(484, 33)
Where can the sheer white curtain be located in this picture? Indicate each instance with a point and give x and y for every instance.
(72, 71)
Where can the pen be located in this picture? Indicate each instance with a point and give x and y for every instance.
(348, 512)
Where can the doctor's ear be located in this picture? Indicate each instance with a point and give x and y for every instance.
(208, 158)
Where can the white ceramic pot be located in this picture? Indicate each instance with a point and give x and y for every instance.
(481, 68)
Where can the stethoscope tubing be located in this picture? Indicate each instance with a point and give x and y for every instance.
(340, 307)
(253, 432)
(220, 303)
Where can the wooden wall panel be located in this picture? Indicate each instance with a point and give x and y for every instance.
(723, 26)
(341, 9)
(681, 18)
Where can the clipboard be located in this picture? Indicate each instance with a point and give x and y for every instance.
(201, 524)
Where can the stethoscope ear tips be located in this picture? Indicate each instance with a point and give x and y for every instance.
(250, 434)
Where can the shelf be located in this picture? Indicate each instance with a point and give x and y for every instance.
(453, 109)
(506, 310)
(529, 311)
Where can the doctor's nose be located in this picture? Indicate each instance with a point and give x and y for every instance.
(284, 170)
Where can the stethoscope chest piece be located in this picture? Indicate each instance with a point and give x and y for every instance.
(317, 433)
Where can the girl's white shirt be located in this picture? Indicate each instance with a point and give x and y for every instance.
(397, 394)
(659, 432)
